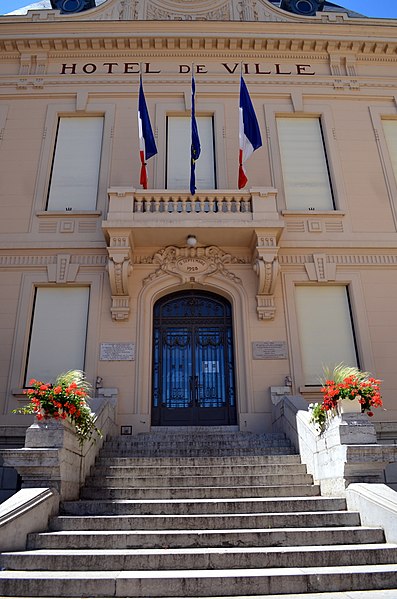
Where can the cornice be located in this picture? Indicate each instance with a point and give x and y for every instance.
(217, 43)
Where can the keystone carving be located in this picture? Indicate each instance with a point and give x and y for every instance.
(320, 269)
(62, 270)
(266, 266)
(119, 269)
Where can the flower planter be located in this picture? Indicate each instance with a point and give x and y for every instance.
(349, 406)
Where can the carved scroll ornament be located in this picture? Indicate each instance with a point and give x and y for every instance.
(119, 269)
(266, 266)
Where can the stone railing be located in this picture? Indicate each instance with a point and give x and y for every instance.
(131, 204)
(53, 467)
(345, 460)
(177, 203)
(347, 452)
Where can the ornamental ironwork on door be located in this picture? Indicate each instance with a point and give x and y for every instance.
(193, 370)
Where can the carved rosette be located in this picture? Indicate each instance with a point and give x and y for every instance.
(193, 265)
(266, 266)
(119, 269)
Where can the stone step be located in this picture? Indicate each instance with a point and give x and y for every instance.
(202, 506)
(280, 537)
(199, 437)
(383, 594)
(199, 451)
(197, 583)
(198, 433)
(199, 558)
(206, 522)
(190, 462)
(198, 481)
(199, 492)
(170, 470)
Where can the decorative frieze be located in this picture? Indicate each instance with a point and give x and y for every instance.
(44, 261)
(343, 260)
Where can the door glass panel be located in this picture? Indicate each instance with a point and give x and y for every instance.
(176, 368)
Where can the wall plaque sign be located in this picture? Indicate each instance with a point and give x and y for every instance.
(114, 352)
(269, 350)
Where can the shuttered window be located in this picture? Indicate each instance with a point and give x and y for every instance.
(325, 329)
(58, 334)
(304, 165)
(75, 170)
(390, 130)
(178, 153)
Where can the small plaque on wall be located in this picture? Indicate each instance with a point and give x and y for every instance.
(269, 350)
(114, 352)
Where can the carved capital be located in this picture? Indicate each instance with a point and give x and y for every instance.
(119, 269)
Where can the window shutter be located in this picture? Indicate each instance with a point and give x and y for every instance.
(304, 165)
(390, 130)
(325, 329)
(58, 336)
(178, 153)
(75, 171)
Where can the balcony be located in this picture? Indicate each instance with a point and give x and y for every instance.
(162, 217)
(159, 222)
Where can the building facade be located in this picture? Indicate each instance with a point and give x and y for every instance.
(197, 309)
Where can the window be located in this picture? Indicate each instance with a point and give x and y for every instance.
(178, 153)
(325, 329)
(304, 165)
(75, 169)
(58, 333)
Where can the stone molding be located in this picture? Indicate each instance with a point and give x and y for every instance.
(193, 265)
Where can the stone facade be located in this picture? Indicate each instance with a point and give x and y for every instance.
(251, 248)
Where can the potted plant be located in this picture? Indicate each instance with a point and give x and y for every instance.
(66, 398)
(345, 389)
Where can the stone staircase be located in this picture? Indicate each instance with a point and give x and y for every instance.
(202, 513)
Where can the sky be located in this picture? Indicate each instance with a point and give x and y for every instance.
(370, 8)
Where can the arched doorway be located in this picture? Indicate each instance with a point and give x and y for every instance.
(193, 361)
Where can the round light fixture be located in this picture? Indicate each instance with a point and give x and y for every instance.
(191, 241)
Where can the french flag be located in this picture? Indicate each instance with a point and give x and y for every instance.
(249, 133)
(147, 144)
